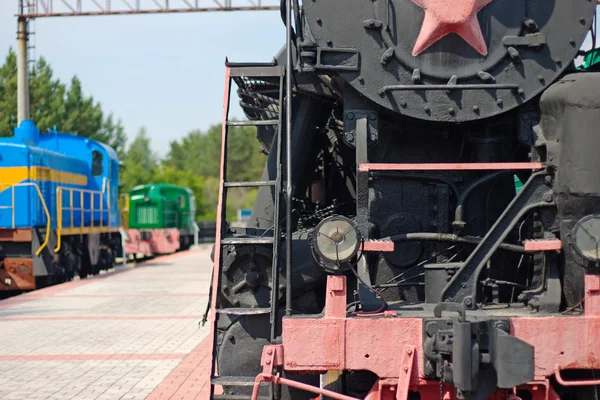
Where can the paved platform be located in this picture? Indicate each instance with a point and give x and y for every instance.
(131, 333)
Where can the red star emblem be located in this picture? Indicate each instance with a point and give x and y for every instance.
(443, 17)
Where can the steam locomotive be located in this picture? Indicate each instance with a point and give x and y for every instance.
(412, 268)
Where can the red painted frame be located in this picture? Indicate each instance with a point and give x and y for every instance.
(391, 347)
(452, 166)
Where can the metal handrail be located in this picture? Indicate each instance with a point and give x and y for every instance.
(82, 192)
(12, 208)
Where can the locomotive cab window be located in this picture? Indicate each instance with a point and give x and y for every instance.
(96, 163)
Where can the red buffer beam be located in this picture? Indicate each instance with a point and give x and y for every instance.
(73, 8)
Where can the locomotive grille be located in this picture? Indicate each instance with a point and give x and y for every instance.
(147, 214)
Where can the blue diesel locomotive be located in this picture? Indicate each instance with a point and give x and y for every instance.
(59, 213)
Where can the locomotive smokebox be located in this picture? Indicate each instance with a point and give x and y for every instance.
(437, 60)
(570, 127)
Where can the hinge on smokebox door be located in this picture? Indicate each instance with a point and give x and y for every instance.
(476, 356)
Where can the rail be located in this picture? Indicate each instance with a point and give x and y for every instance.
(82, 210)
(46, 211)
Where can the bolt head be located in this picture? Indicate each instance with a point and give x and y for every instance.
(269, 352)
(468, 301)
(268, 362)
(409, 352)
(405, 369)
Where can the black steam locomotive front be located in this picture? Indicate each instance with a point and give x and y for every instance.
(411, 122)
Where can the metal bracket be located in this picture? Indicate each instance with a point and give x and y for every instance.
(272, 356)
(352, 118)
(363, 124)
(463, 285)
(405, 372)
(529, 40)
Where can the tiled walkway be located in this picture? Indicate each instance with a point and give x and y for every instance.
(132, 333)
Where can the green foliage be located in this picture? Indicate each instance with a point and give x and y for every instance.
(55, 104)
(200, 153)
(140, 164)
(186, 179)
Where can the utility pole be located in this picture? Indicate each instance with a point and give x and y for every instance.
(22, 70)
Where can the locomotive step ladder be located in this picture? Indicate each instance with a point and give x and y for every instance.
(249, 73)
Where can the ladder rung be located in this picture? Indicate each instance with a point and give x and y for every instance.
(233, 380)
(244, 311)
(249, 184)
(247, 240)
(253, 123)
(255, 70)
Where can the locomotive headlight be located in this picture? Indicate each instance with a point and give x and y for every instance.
(335, 242)
(585, 237)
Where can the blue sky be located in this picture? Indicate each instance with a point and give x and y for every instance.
(164, 72)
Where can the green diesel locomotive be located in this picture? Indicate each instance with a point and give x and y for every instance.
(159, 219)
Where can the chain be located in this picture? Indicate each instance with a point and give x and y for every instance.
(442, 377)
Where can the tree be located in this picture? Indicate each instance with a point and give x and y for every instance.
(8, 94)
(140, 164)
(189, 180)
(200, 153)
(113, 134)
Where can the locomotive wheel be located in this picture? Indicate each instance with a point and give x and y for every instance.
(85, 265)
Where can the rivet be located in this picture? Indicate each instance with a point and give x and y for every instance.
(268, 362)
(499, 102)
(405, 369)
(582, 21)
(426, 109)
(350, 116)
(468, 302)
(329, 43)
(521, 92)
(269, 352)
(572, 42)
(372, 116)
(409, 352)
(451, 111)
(403, 103)
(514, 54)
(475, 108)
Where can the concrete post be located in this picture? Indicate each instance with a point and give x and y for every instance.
(22, 72)
(196, 229)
